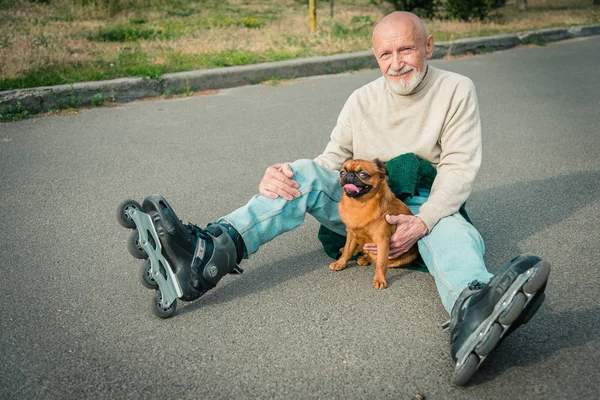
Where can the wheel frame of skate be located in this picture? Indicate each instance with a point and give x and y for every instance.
(491, 331)
(156, 272)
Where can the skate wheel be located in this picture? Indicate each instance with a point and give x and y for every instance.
(538, 278)
(146, 276)
(513, 310)
(159, 310)
(135, 247)
(122, 217)
(491, 339)
(463, 373)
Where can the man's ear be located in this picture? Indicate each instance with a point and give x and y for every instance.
(381, 166)
(429, 46)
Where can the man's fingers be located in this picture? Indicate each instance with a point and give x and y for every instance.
(266, 193)
(370, 247)
(273, 191)
(396, 219)
(286, 168)
(280, 187)
(396, 248)
(395, 253)
(278, 174)
(276, 183)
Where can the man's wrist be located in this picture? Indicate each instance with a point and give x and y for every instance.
(425, 229)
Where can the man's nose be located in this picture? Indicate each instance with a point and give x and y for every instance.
(397, 61)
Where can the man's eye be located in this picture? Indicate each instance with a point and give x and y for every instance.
(407, 50)
(363, 175)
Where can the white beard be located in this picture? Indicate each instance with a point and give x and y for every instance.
(404, 87)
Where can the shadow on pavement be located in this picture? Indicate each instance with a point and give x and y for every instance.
(546, 334)
(510, 215)
(261, 278)
(507, 215)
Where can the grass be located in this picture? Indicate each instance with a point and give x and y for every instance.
(10, 113)
(49, 42)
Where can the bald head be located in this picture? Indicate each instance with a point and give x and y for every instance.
(402, 47)
(400, 21)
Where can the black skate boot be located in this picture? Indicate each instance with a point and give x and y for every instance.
(484, 315)
(185, 261)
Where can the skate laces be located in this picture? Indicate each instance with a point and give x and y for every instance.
(473, 287)
(196, 231)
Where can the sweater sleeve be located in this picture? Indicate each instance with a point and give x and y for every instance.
(339, 148)
(460, 158)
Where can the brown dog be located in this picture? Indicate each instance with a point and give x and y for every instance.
(366, 200)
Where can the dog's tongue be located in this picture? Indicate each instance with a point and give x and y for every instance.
(348, 187)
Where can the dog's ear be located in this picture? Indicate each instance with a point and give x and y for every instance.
(381, 166)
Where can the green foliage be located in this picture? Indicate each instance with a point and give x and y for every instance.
(361, 21)
(124, 33)
(178, 12)
(224, 20)
(359, 25)
(498, 4)
(470, 10)
(422, 8)
(97, 100)
(339, 30)
(128, 63)
(138, 20)
(10, 113)
(6, 4)
(249, 22)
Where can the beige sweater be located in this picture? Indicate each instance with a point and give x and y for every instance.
(439, 122)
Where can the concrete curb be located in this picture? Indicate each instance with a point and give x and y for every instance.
(42, 99)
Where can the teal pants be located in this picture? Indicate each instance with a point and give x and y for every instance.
(452, 251)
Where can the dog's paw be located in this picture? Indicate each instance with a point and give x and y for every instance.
(363, 260)
(337, 266)
(379, 283)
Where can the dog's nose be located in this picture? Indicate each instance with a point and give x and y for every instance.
(351, 177)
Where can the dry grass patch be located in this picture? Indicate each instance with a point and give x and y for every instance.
(60, 41)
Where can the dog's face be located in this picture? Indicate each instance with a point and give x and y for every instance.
(359, 177)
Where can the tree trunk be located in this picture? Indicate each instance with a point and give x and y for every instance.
(596, 2)
(331, 8)
(522, 5)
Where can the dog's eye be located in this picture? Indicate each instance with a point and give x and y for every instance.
(363, 175)
(342, 173)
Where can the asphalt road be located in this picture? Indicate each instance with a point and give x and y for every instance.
(76, 324)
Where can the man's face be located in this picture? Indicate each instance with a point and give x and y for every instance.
(402, 54)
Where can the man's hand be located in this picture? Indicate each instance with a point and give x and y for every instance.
(277, 182)
(409, 229)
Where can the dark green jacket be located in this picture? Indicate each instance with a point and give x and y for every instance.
(406, 174)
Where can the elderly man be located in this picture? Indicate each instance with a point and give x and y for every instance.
(413, 108)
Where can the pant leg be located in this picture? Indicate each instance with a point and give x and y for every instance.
(262, 219)
(453, 253)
